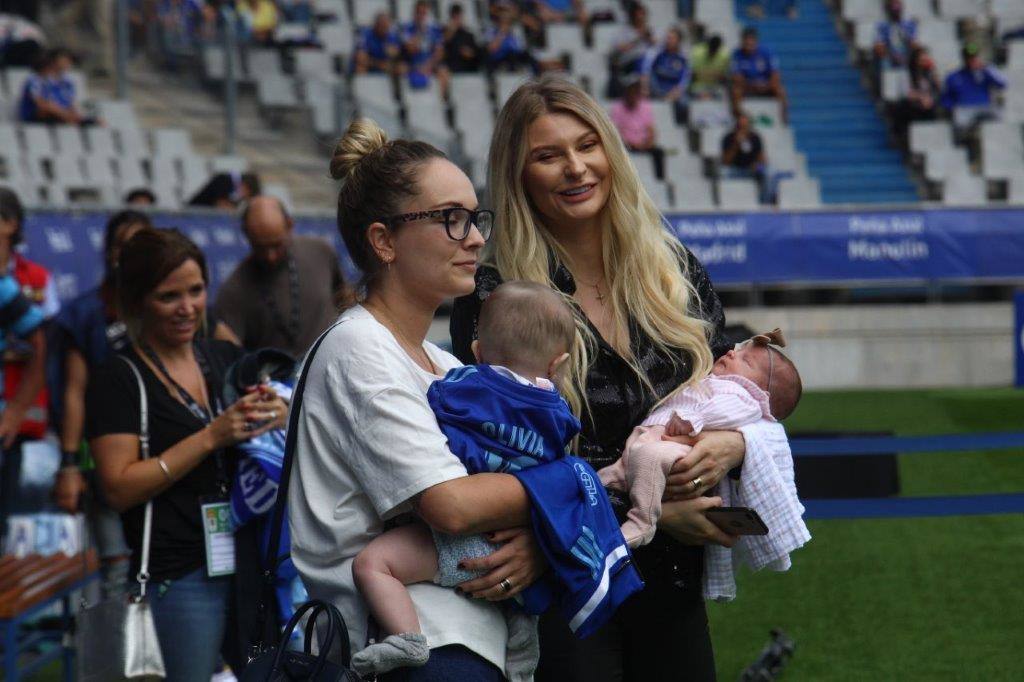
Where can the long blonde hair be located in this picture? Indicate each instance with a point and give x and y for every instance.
(641, 259)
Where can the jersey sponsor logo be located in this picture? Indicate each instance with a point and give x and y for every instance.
(588, 483)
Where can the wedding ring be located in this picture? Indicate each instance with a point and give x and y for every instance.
(506, 585)
(696, 483)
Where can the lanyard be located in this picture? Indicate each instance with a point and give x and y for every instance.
(201, 413)
(290, 328)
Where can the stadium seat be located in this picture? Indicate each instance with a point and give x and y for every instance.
(942, 163)
(404, 10)
(194, 174)
(962, 9)
(163, 172)
(505, 84)
(918, 9)
(661, 14)
(712, 10)
(925, 135)
(338, 9)
(69, 140)
(644, 165)
(215, 64)
(709, 113)
(14, 78)
(799, 192)
(763, 111)
(100, 141)
(864, 33)
(711, 141)
(314, 63)
(564, 37)
(130, 174)
(374, 89)
(117, 114)
(277, 92)
(100, 170)
(693, 194)
(281, 193)
(661, 195)
(425, 110)
(9, 146)
(171, 143)
(38, 142)
(683, 164)
(737, 194)
(132, 142)
(470, 18)
(895, 84)
(1015, 189)
(603, 37)
(363, 11)
(264, 61)
(1015, 55)
(228, 164)
(337, 39)
(965, 190)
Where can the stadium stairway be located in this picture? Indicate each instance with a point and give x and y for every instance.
(832, 115)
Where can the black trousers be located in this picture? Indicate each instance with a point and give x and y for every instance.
(659, 635)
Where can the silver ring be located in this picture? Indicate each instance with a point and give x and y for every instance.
(696, 483)
(273, 415)
(506, 585)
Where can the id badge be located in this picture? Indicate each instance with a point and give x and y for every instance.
(219, 533)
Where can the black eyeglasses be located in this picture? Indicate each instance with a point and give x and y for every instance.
(457, 221)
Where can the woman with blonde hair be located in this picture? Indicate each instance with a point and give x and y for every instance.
(572, 214)
(368, 447)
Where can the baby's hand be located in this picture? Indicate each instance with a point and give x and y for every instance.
(677, 426)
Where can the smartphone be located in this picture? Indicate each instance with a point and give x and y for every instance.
(737, 520)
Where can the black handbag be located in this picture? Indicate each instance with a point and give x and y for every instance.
(277, 663)
(281, 664)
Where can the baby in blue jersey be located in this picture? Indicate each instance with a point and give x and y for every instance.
(505, 415)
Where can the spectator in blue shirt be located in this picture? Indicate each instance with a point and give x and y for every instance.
(665, 71)
(552, 11)
(504, 48)
(968, 91)
(49, 94)
(896, 37)
(755, 73)
(423, 47)
(379, 48)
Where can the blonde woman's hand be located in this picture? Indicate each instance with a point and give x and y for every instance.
(250, 416)
(713, 455)
(685, 521)
(519, 561)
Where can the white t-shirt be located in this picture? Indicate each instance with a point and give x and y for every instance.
(368, 442)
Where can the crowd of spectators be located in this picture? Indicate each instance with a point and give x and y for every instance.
(62, 376)
(966, 94)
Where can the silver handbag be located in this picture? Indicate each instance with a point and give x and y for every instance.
(116, 639)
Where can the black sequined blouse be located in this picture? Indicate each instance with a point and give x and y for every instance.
(618, 400)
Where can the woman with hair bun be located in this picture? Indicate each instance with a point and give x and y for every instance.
(369, 449)
(572, 214)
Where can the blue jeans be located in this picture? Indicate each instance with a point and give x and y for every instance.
(452, 662)
(190, 615)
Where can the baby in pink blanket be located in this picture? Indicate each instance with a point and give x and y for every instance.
(752, 382)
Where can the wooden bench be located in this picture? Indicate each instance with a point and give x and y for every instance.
(29, 586)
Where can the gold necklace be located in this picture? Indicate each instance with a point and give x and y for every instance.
(403, 338)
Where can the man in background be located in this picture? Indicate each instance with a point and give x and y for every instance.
(285, 292)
